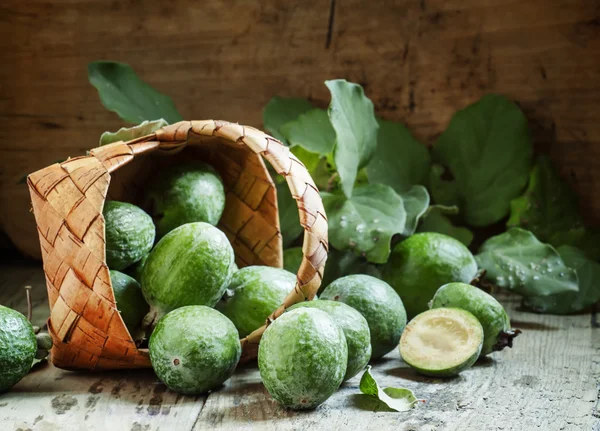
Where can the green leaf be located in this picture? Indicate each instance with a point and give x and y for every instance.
(292, 258)
(343, 263)
(312, 131)
(586, 239)
(588, 273)
(399, 399)
(547, 206)
(415, 201)
(516, 260)
(317, 166)
(128, 133)
(353, 117)
(400, 160)
(445, 192)
(366, 222)
(487, 149)
(436, 220)
(123, 92)
(289, 219)
(282, 110)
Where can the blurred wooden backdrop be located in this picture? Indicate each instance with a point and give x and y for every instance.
(419, 61)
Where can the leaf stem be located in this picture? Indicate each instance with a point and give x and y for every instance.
(331, 182)
(29, 306)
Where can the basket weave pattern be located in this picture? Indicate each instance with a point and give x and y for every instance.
(68, 198)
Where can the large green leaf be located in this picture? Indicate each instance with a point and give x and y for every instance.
(128, 133)
(436, 219)
(316, 165)
(366, 222)
(398, 399)
(517, 261)
(547, 206)
(353, 118)
(583, 238)
(487, 150)
(588, 273)
(415, 201)
(123, 92)
(282, 110)
(289, 220)
(312, 131)
(400, 161)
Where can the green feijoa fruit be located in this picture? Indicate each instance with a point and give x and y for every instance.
(129, 234)
(302, 358)
(419, 265)
(18, 347)
(292, 258)
(137, 268)
(356, 331)
(130, 302)
(186, 193)
(253, 294)
(191, 265)
(379, 304)
(497, 333)
(442, 342)
(194, 349)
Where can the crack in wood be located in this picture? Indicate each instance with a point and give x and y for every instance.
(330, 24)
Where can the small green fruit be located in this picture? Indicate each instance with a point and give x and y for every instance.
(194, 349)
(18, 347)
(186, 193)
(419, 265)
(489, 312)
(378, 303)
(442, 342)
(253, 294)
(129, 234)
(356, 331)
(191, 265)
(302, 358)
(130, 301)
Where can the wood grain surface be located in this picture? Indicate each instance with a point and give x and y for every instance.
(419, 61)
(548, 381)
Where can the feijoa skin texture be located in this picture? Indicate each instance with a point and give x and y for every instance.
(191, 265)
(442, 342)
(302, 358)
(379, 304)
(356, 331)
(419, 265)
(186, 193)
(489, 312)
(253, 294)
(130, 300)
(194, 349)
(129, 234)
(17, 347)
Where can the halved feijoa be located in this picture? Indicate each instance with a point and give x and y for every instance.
(442, 342)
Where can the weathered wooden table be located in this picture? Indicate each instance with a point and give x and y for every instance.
(549, 381)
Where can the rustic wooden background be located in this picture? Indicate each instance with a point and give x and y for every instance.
(419, 61)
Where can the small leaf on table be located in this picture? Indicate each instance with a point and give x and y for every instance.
(282, 110)
(399, 161)
(588, 273)
(435, 219)
(312, 131)
(487, 151)
(517, 261)
(123, 92)
(399, 399)
(128, 133)
(352, 116)
(366, 222)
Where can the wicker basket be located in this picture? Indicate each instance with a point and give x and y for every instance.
(67, 199)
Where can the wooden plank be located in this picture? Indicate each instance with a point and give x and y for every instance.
(548, 382)
(419, 61)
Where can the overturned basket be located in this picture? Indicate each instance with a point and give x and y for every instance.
(68, 198)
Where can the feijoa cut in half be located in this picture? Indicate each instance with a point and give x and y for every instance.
(442, 342)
